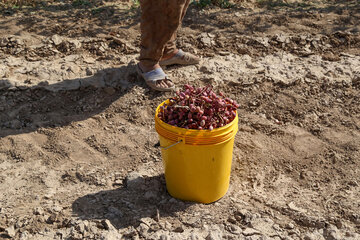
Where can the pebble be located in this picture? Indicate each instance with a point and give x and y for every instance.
(80, 227)
(249, 232)
(56, 39)
(290, 226)
(205, 40)
(89, 60)
(39, 211)
(10, 231)
(3, 42)
(108, 225)
(89, 71)
(143, 229)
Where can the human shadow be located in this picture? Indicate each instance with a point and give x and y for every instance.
(26, 109)
(274, 12)
(71, 17)
(142, 199)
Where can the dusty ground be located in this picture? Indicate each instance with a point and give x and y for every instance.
(78, 153)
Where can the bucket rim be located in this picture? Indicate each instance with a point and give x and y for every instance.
(195, 136)
(220, 129)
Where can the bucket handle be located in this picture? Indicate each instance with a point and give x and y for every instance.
(172, 145)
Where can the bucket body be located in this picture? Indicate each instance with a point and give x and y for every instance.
(198, 167)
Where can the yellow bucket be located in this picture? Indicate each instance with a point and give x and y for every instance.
(197, 162)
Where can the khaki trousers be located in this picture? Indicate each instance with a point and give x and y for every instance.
(160, 20)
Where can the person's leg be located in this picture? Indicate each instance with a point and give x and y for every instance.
(159, 22)
(170, 48)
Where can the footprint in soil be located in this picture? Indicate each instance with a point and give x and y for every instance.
(142, 197)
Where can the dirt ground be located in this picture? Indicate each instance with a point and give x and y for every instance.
(78, 147)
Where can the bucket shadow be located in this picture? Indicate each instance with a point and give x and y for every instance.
(126, 206)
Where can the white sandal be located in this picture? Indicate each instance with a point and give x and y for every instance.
(181, 58)
(153, 76)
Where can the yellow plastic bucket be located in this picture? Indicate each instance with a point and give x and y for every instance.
(197, 163)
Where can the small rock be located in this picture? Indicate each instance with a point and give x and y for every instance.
(39, 211)
(179, 229)
(353, 183)
(3, 42)
(52, 218)
(70, 58)
(89, 71)
(223, 53)
(118, 182)
(10, 231)
(249, 232)
(75, 43)
(263, 41)
(293, 207)
(290, 226)
(56, 39)
(80, 227)
(143, 229)
(107, 225)
(281, 38)
(232, 220)
(205, 40)
(331, 57)
(18, 41)
(119, 41)
(89, 60)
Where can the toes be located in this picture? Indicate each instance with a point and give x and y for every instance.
(169, 83)
(165, 83)
(161, 84)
